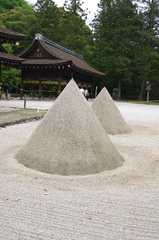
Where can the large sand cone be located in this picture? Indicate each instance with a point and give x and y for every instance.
(108, 114)
(70, 139)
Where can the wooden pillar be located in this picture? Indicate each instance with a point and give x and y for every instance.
(21, 88)
(119, 87)
(40, 89)
(60, 77)
(72, 75)
(91, 93)
(59, 88)
(50, 89)
(32, 90)
(0, 72)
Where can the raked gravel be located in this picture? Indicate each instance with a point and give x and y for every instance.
(118, 204)
(70, 139)
(108, 114)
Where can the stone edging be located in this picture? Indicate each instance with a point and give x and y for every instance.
(22, 120)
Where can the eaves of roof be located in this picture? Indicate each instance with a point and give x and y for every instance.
(7, 35)
(9, 58)
(44, 62)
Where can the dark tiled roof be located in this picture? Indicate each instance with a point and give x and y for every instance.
(9, 57)
(8, 35)
(60, 53)
(44, 61)
(63, 49)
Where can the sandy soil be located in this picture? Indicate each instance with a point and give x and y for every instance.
(117, 204)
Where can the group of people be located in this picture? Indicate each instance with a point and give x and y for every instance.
(85, 92)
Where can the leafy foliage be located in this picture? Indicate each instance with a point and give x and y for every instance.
(75, 6)
(20, 19)
(10, 77)
(48, 18)
(122, 51)
(116, 36)
(7, 5)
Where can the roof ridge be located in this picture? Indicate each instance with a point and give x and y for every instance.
(63, 48)
(44, 39)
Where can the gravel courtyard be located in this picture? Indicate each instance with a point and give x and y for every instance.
(117, 204)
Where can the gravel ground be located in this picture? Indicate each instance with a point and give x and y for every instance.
(118, 204)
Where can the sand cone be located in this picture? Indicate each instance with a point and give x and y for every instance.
(70, 140)
(108, 114)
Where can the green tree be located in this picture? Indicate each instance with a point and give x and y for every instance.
(77, 35)
(20, 19)
(10, 77)
(48, 19)
(154, 73)
(75, 6)
(7, 5)
(116, 29)
(149, 34)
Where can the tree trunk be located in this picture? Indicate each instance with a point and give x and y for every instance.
(119, 87)
(140, 98)
(0, 81)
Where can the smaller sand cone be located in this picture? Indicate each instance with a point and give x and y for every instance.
(70, 140)
(108, 114)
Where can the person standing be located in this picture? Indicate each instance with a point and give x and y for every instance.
(8, 93)
(82, 91)
(86, 93)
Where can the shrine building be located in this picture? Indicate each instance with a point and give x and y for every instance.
(49, 66)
